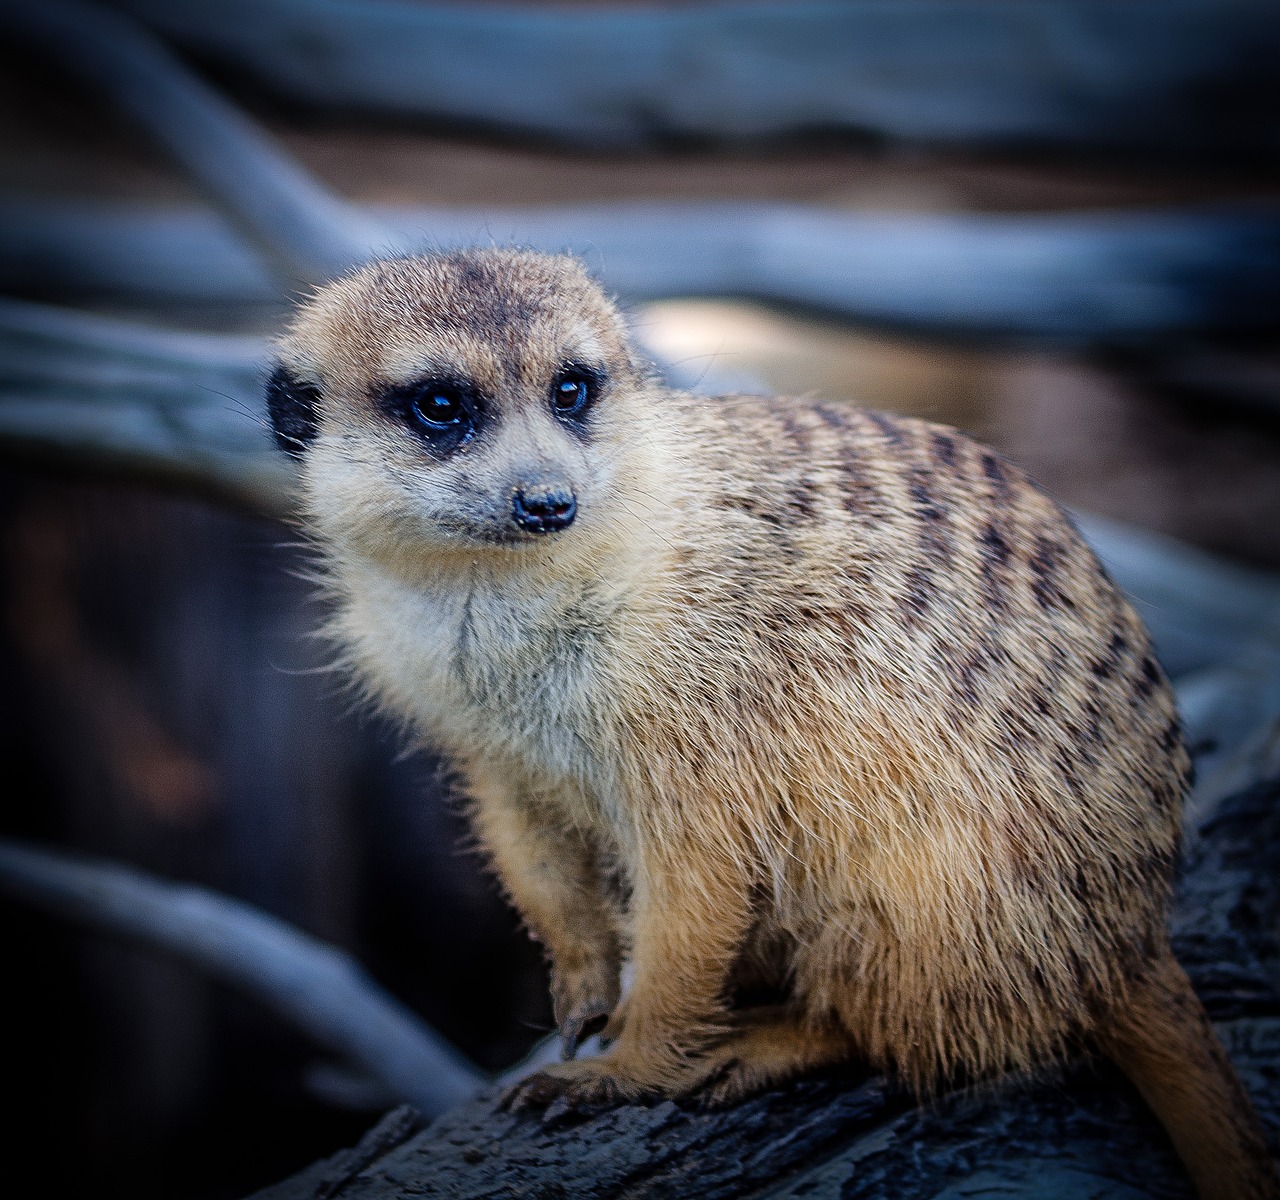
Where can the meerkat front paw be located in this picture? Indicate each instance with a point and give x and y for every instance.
(591, 1083)
(770, 1046)
(584, 1002)
(725, 1075)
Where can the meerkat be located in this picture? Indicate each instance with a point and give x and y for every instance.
(771, 698)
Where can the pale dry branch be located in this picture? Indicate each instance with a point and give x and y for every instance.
(314, 986)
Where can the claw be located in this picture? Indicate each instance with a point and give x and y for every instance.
(584, 1001)
(580, 1025)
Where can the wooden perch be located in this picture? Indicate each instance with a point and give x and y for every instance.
(312, 985)
(1162, 74)
(1082, 1136)
(306, 233)
(1079, 279)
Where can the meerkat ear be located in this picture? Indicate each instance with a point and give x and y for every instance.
(292, 404)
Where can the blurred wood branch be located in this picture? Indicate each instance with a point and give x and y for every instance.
(1185, 75)
(1077, 279)
(109, 395)
(307, 234)
(1216, 627)
(1094, 279)
(314, 986)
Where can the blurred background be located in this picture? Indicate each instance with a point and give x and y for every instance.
(1052, 224)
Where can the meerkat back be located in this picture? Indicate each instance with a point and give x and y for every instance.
(754, 693)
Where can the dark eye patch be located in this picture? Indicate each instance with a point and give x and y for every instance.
(575, 387)
(444, 411)
(293, 406)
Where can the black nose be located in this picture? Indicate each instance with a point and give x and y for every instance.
(544, 510)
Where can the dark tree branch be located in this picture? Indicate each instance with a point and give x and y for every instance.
(1183, 74)
(314, 986)
(307, 234)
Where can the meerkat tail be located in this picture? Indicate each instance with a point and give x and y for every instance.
(1162, 1039)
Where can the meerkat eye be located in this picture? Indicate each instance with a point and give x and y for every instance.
(439, 406)
(444, 412)
(573, 389)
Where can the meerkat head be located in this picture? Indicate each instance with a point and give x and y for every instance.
(474, 400)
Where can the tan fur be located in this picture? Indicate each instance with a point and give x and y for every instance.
(812, 698)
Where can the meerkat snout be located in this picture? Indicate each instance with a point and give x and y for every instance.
(544, 508)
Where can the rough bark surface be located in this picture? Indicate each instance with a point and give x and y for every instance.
(1081, 1134)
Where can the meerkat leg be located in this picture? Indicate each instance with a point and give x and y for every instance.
(1162, 1039)
(551, 873)
(768, 1046)
(691, 910)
